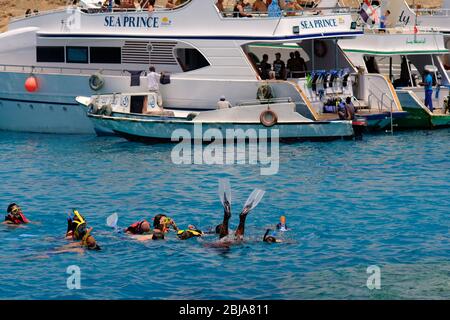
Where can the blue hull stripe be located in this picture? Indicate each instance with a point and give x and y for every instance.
(124, 36)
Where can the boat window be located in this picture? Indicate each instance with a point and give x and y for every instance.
(191, 59)
(77, 54)
(105, 55)
(50, 54)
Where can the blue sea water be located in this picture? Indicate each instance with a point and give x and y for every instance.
(381, 201)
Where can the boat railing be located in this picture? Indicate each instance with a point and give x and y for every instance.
(231, 14)
(381, 97)
(39, 13)
(247, 103)
(61, 70)
(433, 12)
(399, 30)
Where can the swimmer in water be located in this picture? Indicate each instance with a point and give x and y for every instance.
(77, 230)
(191, 232)
(161, 226)
(140, 227)
(271, 238)
(15, 215)
(225, 197)
(282, 226)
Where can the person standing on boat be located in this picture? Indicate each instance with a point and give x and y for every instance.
(279, 67)
(265, 67)
(428, 83)
(153, 80)
(383, 21)
(274, 9)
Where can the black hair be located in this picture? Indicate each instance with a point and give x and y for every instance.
(152, 69)
(348, 100)
(156, 221)
(12, 205)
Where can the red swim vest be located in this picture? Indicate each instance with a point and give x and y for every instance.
(17, 220)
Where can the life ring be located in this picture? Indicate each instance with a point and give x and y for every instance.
(268, 118)
(264, 92)
(96, 82)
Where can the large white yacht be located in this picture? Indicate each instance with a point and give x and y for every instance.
(81, 51)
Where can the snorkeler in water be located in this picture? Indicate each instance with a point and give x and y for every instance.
(225, 197)
(270, 238)
(191, 232)
(282, 226)
(77, 230)
(140, 227)
(15, 215)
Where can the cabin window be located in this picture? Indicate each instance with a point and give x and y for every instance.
(105, 55)
(77, 54)
(50, 54)
(191, 59)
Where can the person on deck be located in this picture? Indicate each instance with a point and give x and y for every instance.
(220, 6)
(151, 6)
(259, 6)
(384, 20)
(170, 4)
(265, 67)
(279, 67)
(153, 80)
(239, 10)
(428, 86)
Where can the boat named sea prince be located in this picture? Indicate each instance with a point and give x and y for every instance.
(132, 22)
(318, 23)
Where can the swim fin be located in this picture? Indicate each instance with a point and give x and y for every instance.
(225, 192)
(112, 220)
(253, 200)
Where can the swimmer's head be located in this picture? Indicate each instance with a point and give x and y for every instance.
(91, 244)
(145, 227)
(270, 239)
(283, 220)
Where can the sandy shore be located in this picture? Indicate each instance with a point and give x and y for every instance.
(15, 8)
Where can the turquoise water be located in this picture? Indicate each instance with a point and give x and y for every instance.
(350, 204)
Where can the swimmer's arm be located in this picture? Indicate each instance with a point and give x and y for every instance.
(146, 237)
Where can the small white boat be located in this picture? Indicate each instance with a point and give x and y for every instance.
(134, 117)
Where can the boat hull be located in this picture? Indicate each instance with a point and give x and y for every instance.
(382, 121)
(173, 131)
